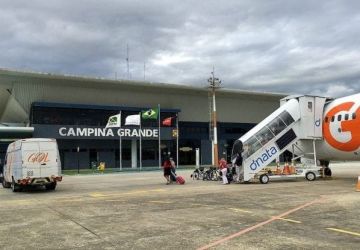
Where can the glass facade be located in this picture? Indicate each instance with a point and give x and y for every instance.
(49, 117)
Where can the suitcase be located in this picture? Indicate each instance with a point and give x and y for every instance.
(180, 180)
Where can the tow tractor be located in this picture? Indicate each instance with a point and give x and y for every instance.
(310, 173)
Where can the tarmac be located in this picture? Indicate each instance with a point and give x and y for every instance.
(138, 211)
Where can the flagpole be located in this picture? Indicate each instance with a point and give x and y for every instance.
(159, 137)
(140, 144)
(120, 146)
(177, 140)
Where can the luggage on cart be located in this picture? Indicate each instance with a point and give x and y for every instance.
(180, 180)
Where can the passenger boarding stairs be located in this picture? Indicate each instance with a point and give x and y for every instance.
(297, 118)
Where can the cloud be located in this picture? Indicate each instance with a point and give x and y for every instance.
(278, 46)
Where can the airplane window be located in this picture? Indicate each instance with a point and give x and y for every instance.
(346, 117)
(326, 119)
(354, 116)
(310, 106)
(332, 118)
(339, 118)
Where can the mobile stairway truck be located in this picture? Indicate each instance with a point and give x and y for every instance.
(296, 125)
(32, 162)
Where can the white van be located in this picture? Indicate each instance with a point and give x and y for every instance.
(32, 162)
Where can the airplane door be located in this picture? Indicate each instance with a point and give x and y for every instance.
(318, 116)
(311, 110)
(307, 116)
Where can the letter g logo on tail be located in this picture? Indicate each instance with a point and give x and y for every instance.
(351, 125)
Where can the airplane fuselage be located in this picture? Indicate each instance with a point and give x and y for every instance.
(341, 131)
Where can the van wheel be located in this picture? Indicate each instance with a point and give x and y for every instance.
(310, 176)
(51, 186)
(5, 184)
(15, 187)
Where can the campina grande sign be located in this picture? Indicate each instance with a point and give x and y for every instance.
(106, 132)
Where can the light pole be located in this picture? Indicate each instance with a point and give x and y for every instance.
(78, 160)
(214, 83)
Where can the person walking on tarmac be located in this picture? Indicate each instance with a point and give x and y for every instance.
(173, 170)
(237, 159)
(239, 168)
(167, 170)
(173, 164)
(223, 169)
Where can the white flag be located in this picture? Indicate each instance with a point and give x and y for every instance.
(114, 121)
(132, 120)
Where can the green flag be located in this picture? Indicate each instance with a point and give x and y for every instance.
(114, 121)
(150, 114)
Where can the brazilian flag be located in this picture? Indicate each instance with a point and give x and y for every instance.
(150, 114)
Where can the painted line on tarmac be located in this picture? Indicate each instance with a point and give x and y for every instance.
(201, 205)
(70, 200)
(248, 229)
(102, 195)
(290, 220)
(161, 202)
(115, 200)
(96, 195)
(240, 210)
(19, 202)
(342, 231)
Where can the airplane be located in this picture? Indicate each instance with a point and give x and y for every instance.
(316, 129)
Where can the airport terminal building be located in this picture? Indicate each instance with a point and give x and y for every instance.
(75, 110)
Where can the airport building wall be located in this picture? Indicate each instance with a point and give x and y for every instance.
(56, 104)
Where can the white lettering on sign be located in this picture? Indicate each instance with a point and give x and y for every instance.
(263, 158)
(62, 131)
(104, 132)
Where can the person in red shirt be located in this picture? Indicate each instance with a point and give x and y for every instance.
(223, 169)
(167, 170)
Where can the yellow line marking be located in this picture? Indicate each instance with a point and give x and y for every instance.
(162, 202)
(136, 192)
(97, 195)
(18, 202)
(70, 200)
(158, 190)
(202, 205)
(240, 210)
(343, 231)
(289, 220)
(101, 195)
(70, 197)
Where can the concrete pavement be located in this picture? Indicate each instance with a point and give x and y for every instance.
(138, 211)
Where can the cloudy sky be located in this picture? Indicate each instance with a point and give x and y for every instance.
(307, 47)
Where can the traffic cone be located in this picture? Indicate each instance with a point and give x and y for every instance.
(286, 170)
(292, 168)
(358, 185)
(278, 171)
